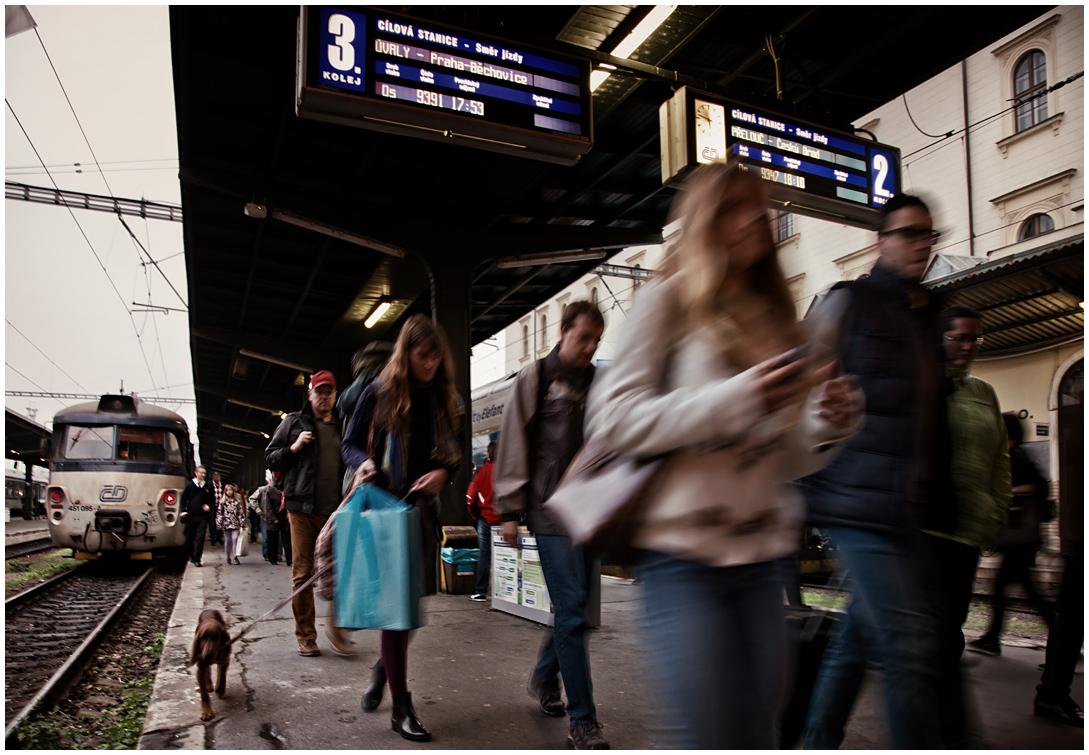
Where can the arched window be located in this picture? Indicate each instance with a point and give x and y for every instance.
(1036, 225)
(525, 340)
(1029, 80)
(593, 296)
(544, 331)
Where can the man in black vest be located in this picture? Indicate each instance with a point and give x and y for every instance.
(542, 431)
(890, 483)
(196, 507)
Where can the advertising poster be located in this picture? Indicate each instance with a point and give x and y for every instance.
(504, 571)
(534, 591)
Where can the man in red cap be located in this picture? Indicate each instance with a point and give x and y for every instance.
(306, 449)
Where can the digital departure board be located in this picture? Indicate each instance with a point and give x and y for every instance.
(373, 69)
(811, 170)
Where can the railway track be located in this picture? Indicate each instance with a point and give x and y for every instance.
(25, 549)
(51, 632)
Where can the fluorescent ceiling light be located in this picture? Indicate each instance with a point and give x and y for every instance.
(254, 406)
(338, 233)
(235, 445)
(531, 260)
(242, 429)
(638, 36)
(274, 360)
(376, 315)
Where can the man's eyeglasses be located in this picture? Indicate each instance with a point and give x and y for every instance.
(966, 340)
(914, 235)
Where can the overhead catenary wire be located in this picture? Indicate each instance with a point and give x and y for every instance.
(87, 141)
(85, 238)
(9, 322)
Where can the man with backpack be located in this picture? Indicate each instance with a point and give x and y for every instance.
(541, 433)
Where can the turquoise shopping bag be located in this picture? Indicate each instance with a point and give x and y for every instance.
(377, 544)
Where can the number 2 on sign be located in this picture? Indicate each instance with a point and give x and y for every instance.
(342, 54)
(881, 164)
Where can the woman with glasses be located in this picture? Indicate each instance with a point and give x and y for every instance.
(980, 470)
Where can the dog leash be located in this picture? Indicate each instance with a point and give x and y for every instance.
(281, 604)
(306, 584)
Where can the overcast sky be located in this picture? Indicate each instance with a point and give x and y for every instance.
(68, 330)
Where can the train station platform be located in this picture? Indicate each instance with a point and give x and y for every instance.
(24, 531)
(467, 673)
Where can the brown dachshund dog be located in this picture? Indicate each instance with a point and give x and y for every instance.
(211, 645)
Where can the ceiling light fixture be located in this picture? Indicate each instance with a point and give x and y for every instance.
(638, 36)
(530, 260)
(254, 210)
(376, 315)
(274, 360)
(242, 429)
(254, 406)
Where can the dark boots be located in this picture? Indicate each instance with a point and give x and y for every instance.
(404, 720)
(372, 696)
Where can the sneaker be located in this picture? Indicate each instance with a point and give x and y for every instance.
(308, 648)
(1064, 709)
(986, 645)
(478, 597)
(340, 642)
(587, 737)
(548, 698)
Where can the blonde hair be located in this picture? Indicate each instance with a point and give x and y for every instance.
(700, 259)
(394, 399)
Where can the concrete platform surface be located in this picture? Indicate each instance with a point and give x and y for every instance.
(467, 672)
(24, 531)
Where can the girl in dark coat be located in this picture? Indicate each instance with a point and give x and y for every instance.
(405, 437)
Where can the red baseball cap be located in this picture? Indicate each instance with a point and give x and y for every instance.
(324, 377)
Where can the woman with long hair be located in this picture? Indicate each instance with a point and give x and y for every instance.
(405, 437)
(710, 372)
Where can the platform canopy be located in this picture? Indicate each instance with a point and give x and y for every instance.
(271, 300)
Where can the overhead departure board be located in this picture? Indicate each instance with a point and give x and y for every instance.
(370, 68)
(811, 170)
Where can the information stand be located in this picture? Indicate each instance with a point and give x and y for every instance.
(518, 583)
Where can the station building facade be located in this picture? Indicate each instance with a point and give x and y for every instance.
(1003, 173)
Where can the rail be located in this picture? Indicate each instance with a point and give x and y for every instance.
(44, 627)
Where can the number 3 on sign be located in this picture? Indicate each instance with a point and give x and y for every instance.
(342, 54)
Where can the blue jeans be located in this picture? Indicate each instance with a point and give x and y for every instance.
(889, 622)
(484, 564)
(264, 542)
(718, 650)
(564, 653)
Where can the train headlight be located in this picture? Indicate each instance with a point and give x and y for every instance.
(56, 498)
(169, 498)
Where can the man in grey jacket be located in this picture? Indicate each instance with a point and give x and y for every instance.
(541, 433)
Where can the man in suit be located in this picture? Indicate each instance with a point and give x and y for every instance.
(196, 507)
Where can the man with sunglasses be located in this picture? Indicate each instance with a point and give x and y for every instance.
(890, 483)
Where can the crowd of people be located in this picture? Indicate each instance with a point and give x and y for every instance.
(863, 420)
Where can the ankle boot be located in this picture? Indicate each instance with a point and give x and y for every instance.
(372, 696)
(404, 720)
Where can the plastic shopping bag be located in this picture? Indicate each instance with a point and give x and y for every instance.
(242, 543)
(378, 560)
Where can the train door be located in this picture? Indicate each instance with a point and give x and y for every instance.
(1071, 422)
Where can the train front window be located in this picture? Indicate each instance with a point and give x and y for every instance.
(147, 444)
(89, 442)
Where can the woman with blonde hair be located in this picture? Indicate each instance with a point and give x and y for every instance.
(405, 437)
(231, 517)
(710, 372)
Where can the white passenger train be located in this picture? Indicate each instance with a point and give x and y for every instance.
(118, 467)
